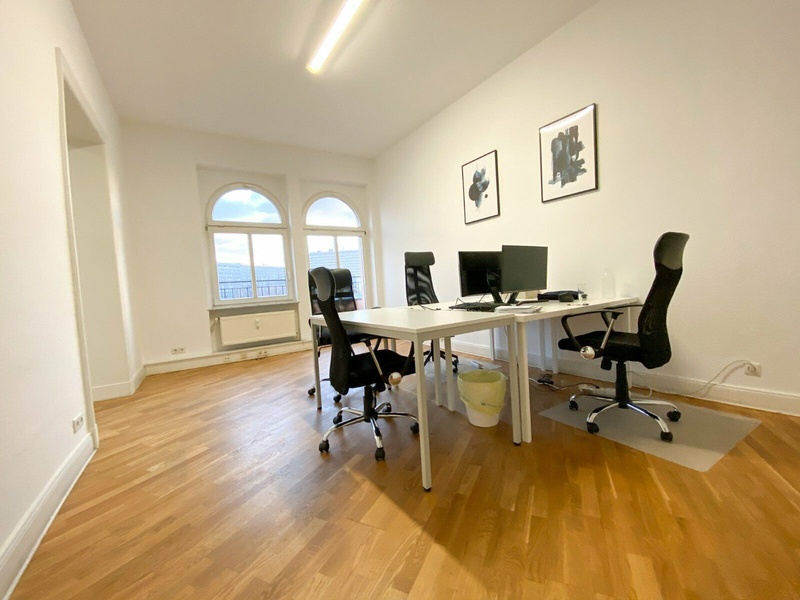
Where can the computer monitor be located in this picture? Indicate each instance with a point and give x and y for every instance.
(479, 273)
(524, 269)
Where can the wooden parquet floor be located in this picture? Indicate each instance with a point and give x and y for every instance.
(208, 484)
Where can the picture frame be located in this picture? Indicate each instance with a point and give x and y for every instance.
(568, 155)
(481, 188)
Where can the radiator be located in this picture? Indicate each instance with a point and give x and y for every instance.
(258, 327)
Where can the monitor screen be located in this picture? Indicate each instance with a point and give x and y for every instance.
(474, 269)
(524, 268)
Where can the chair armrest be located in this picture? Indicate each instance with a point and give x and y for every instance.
(587, 352)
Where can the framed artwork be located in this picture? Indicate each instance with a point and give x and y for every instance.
(481, 191)
(568, 155)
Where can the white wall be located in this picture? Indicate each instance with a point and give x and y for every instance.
(42, 387)
(99, 278)
(170, 174)
(697, 132)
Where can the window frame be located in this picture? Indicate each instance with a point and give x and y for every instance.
(336, 231)
(249, 228)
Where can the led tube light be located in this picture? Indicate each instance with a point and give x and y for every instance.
(334, 33)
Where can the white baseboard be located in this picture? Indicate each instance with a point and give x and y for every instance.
(470, 348)
(18, 549)
(219, 358)
(778, 402)
(114, 390)
(138, 378)
(724, 393)
(118, 390)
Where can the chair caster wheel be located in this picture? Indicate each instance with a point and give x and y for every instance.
(337, 419)
(666, 436)
(573, 405)
(324, 446)
(380, 454)
(592, 427)
(674, 415)
(337, 398)
(415, 428)
(388, 407)
(312, 391)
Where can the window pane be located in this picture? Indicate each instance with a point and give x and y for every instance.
(331, 212)
(233, 266)
(350, 257)
(245, 206)
(270, 265)
(321, 251)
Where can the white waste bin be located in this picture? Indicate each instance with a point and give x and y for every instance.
(484, 394)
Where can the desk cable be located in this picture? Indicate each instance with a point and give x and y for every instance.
(546, 380)
(426, 307)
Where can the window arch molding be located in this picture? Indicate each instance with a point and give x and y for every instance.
(251, 256)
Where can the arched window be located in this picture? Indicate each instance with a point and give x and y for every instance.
(335, 240)
(249, 246)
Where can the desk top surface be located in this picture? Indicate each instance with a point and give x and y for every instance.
(439, 319)
(418, 320)
(553, 309)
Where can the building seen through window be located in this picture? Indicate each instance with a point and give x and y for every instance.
(249, 241)
(340, 245)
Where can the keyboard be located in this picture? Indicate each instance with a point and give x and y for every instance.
(478, 306)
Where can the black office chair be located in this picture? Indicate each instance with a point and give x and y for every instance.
(419, 289)
(349, 370)
(649, 346)
(345, 299)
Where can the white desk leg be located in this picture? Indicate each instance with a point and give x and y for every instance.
(448, 371)
(315, 351)
(524, 386)
(422, 417)
(542, 346)
(554, 344)
(437, 372)
(513, 384)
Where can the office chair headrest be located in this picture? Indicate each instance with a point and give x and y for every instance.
(419, 259)
(342, 278)
(325, 283)
(669, 249)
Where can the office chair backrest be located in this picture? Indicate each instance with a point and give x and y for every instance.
(653, 336)
(419, 284)
(340, 344)
(344, 295)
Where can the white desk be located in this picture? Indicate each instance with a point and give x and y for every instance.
(419, 325)
(550, 310)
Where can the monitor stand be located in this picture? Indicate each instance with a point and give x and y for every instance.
(493, 279)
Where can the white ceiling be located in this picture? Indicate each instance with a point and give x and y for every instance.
(237, 67)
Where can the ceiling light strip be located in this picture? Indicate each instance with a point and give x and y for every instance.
(334, 33)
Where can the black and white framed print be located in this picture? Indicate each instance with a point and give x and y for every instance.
(568, 154)
(481, 191)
